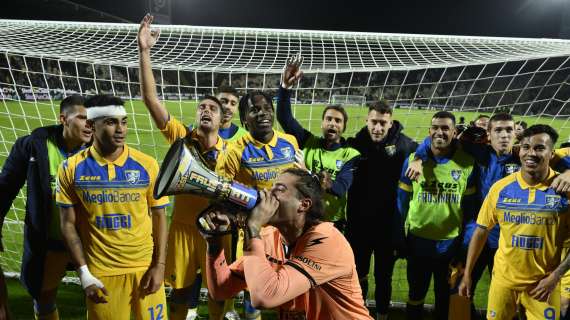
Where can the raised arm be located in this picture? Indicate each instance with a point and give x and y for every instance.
(291, 75)
(147, 39)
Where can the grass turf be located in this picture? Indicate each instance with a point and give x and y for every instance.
(19, 118)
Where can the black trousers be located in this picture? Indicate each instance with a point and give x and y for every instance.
(364, 245)
(420, 269)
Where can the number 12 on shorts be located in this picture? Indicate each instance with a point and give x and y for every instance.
(156, 313)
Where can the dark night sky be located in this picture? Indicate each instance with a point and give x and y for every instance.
(512, 18)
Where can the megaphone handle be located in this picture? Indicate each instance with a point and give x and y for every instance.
(204, 227)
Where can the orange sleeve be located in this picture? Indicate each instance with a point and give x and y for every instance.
(270, 288)
(224, 281)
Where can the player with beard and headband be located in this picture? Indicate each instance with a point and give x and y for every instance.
(433, 211)
(186, 248)
(535, 225)
(34, 159)
(329, 156)
(257, 158)
(114, 229)
(298, 264)
(383, 148)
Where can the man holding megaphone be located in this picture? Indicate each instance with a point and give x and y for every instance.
(298, 264)
(186, 248)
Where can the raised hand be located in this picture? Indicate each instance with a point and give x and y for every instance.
(292, 71)
(146, 37)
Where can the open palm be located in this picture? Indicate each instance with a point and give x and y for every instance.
(146, 37)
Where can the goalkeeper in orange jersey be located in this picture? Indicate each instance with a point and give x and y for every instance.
(112, 225)
(34, 160)
(535, 223)
(186, 248)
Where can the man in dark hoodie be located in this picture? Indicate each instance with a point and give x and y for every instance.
(372, 198)
(328, 156)
(34, 159)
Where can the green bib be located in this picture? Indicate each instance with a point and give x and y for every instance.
(239, 133)
(318, 159)
(435, 207)
(55, 158)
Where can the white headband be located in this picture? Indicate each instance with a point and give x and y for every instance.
(106, 111)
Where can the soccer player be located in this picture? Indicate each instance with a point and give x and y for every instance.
(298, 263)
(257, 158)
(229, 98)
(482, 121)
(432, 212)
(520, 126)
(534, 223)
(186, 248)
(113, 227)
(383, 148)
(34, 159)
(494, 161)
(329, 155)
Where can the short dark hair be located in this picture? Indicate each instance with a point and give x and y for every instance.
(522, 124)
(444, 115)
(227, 89)
(481, 116)
(309, 186)
(380, 106)
(70, 102)
(501, 116)
(247, 98)
(101, 100)
(538, 129)
(339, 108)
(216, 100)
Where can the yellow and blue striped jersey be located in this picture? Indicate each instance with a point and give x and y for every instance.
(257, 164)
(534, 224)
(188, 206)
(112, 201)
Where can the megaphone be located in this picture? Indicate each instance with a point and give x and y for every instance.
(184, 171)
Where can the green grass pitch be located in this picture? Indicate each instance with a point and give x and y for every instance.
(19, 118)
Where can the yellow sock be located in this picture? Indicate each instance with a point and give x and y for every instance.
(177, 311)
(54, 315)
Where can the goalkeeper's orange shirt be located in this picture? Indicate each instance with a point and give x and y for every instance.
(112, 201)
(321, 257)
(535, 224)
(257, 164)
(188, 206)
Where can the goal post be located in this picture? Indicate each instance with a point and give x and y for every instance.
(42, 62)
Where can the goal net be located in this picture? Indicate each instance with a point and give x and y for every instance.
(42, 62)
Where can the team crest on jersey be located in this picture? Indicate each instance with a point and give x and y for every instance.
(339, 164)
(552, 201)
(456, 174)
(132, 176)
(390, 150)
(286, 152)
(511, 168)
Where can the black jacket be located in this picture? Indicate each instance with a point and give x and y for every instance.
(28, 161)
(372, 196)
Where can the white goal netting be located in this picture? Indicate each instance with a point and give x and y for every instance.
(41, 62)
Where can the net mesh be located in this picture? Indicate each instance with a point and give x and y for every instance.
(42, 62)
